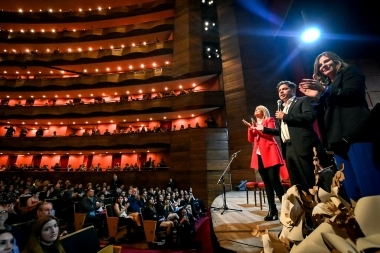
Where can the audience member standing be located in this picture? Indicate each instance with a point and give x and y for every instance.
(297, 135)
(266, 157)
(340, 94)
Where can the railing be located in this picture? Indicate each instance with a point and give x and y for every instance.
(69, 15)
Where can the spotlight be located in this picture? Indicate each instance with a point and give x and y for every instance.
(310, 35)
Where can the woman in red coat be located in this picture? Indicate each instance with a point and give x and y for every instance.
(266, 157)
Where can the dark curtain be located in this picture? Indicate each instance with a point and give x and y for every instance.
(64, 161)
(89, 161)
(12, 159)
(36, 160)
(116, 159)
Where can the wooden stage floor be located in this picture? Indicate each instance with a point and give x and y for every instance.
(233, 229)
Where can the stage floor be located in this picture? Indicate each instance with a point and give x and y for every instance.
(233, 229)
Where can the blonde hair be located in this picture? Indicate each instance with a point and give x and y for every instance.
(264, 110)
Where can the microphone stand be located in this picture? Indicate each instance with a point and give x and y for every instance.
(225, 207)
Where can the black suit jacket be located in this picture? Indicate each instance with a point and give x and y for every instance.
(346, 106)
(300, 119)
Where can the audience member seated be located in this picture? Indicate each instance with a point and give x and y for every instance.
(70, 102)
(98, 132)
(70, 168)
(73, 133)
(163, 210)
(157, 129)
(197, 125)
(172, 94)
(120, 210)
(117, 167)
(89, 205)
(6, 208)
(92, 167)
(39, 132)
(174, 128)
(161, 163)
(93, 131)
(43, 209)
(57, 167)
(8, 242)
(151, 214)
(182, 127)
(210, 121)
(10, 131)
(100, 203)
(126, 167)
(45, 236)
(182, 92)
(107, 132)
(149, 163)
(50, 193)
(98, 167)
(135, 167)
(158, 95)
(185, 228)
(85, 133)
(114, 132)
(54, 134)
(189, 126)
(82, 167)
(146, 97)
(44, 168)
(32, 203)
(18, 103)
(23, 132)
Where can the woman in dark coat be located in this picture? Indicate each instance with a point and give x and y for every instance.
(339, 92)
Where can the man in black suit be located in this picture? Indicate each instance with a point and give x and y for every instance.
(297, 135)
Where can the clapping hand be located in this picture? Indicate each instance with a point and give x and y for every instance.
(311, 87)
(246, 123)
(253, 123)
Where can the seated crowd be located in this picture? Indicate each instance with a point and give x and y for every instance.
(102, 100)
(148, 165)
(37, 204)
(11, 131)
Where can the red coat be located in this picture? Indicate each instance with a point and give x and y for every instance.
(270, 152)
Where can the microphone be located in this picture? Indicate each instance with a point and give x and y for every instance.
(279, 103)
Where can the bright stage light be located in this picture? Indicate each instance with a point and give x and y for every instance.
(310, 35)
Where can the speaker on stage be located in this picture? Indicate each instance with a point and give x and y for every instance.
(241, 185)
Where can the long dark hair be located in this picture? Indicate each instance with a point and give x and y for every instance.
(33, 245)
(340, 64)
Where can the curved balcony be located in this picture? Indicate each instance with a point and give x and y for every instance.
(99, 81)
(85, 16)
(88, 57)
(90, 35)
(194, 100)
(210, 66)
(119, 141)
